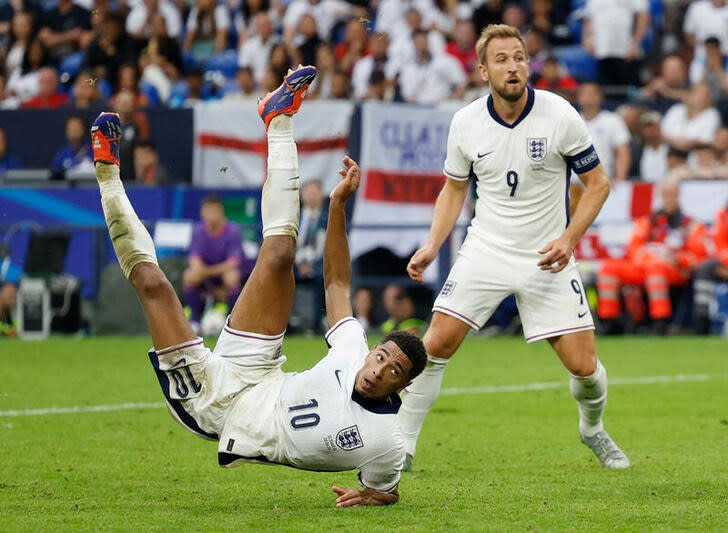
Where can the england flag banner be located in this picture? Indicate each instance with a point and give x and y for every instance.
(403, 151)
(231, 149)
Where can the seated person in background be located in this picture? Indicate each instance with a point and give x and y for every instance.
(7, 304)
(692, 123)
(7, 161)
(663, 250)
(77, 153)
(216, 257)
(363, 304)
(553, 78)
(711, 272)
(669, 87)
(48, 95)
(244, 87)
(310, 245)
(401, 312)
(707, 165)
(147, 166)
(207, 29)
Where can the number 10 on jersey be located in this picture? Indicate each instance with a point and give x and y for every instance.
(304, 420)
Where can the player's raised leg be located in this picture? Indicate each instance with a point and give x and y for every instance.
(588, 385)
(265, 304)
(442, 339)
(132, 243)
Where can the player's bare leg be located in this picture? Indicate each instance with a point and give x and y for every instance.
(132, 243)
(588, 385)
(265, 304)
(442, 339)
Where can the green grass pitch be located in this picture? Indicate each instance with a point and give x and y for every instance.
(490, 457)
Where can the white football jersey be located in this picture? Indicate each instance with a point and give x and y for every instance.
(319, 422)
(521, 170)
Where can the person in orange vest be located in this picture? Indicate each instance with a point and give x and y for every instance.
(663, 250)
(712, 271)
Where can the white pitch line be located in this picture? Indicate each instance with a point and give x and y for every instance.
(450, 391)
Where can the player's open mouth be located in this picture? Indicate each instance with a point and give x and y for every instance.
(366, 385)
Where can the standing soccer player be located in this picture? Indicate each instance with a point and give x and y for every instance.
(519, 144)
(340, 414)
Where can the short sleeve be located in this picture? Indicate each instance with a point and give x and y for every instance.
(346, 332)
(457, 165)
(383, 472)
(575, 143)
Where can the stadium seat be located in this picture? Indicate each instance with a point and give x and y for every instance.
(225, 62)
(580, 64)
(70, 65)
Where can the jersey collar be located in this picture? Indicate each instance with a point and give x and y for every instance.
(388, 406)
(524, 113)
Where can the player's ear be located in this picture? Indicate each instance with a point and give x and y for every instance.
(483, 72)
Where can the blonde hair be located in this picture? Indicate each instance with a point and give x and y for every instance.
(496, 31)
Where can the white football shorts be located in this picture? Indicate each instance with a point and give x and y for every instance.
(549, 304)
(201, 386)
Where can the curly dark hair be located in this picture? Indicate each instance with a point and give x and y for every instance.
(412, 347)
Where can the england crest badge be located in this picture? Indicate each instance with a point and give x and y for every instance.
(536, 148)
(349, 438)
(448, 288)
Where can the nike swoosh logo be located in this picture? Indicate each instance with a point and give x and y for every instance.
(336, 373)
(582, 315)
(480, 156)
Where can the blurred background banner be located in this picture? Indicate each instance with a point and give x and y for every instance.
(230, 145)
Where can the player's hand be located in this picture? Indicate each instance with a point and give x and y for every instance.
(350, 176)
(347, 497)
(556, 254)
(419, 262)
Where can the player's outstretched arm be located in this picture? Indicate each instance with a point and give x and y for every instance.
(556, 254)
(355, 498)
(337, 264)
(447, 209)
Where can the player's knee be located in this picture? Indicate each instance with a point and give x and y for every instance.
(151, 283)
(583, 365)
(439, 343)
(280, 257)
(190, 278)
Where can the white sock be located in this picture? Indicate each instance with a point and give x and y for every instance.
(590, 393)
(418, 401)
(280, 202)
(131, 240)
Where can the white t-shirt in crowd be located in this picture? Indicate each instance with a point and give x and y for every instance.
(136, 21)
(326, 13)
(653, 164)
(701, 127)
(222, 19)
(255, 53)
(613, 25)
(704, 20)
(431, 82)
(608, 131)
(362, 73)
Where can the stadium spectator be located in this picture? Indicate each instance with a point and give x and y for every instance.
(554, 78)
(462, 47)
(515, 15)
(714, 72)
(8, 161)
(21, 34)
(550, 19)
(402, 50)
(537, 48)
(325, 70)
(653, 162)
(326, 12)
(134, 129)
(139, 21)
(207, 30)
(669, 87)
(8, 294)
(109, 50)
(310, 245)
(489, 12)
(65, 29)
(663, 249)
(705, 165)
(161, 59)
(720, 141)
(704, 19)
(128, 81)
(694, 122)
(390, 16)
(713, 271)
(215, 261)
(340, 86)
(85, 92)
(147, 167)
(608, 132)
(307, 40)
(613, 33)
(677, 164)
(26, 85)
(49, 95)
(256, 50)
(431, 79)
(245, 88)
(244, 17)
(630, 115)
(400, 311)
(353, 47)
(376, 61)
(76, 154)
(363, 307)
